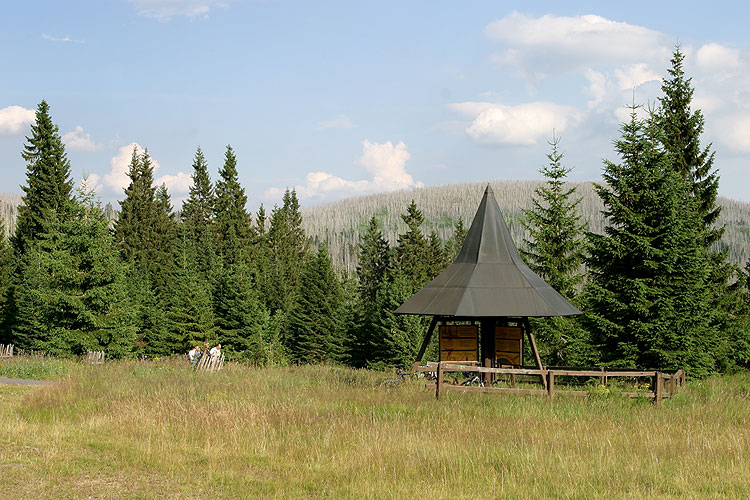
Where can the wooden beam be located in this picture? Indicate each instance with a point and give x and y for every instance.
(658, 389)
(425, 342)
(439, 381)
(527, 325)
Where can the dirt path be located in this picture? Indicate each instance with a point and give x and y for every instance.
(22, 381)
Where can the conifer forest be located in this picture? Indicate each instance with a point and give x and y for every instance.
(650, 254)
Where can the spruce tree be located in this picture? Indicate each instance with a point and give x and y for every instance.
(7, 269)
(139, 211)
(555, 252)
(286, 247)
(232, 222)
(374, 263)
(682, 128)
(165, 237)
(241, 318)
(316, 319)
(189, 312)
(436, 257)
(144, 235)
(48, 183)
(646, 299)
(72, 295)
(397, 338)
(453, 246)
(411, 251)
(198, 217)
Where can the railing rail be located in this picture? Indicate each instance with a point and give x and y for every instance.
(664, 384)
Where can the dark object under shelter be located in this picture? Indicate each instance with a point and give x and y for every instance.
(489, 284)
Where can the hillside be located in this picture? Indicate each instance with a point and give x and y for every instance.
(339, 223)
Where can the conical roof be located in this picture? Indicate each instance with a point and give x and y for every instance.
(488, 278)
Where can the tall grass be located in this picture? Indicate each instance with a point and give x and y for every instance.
(130, 430)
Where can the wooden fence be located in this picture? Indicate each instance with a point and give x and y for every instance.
(664, 384)
(95, 357)
(210, 363)
(6, 351)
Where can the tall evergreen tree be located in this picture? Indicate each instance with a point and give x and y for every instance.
(410, 253)
(555, 252)
(198, 216)
(397, 337)
(436, 257)
(7, 269)
(72, 295)
(48, 183)
(142, 234)
(453, 246)
(189, 312)
(232, 221)
(241, 317)
(287, 247)
(681, 130)
(134, 228)
(316, 319)
(646, 299)
(165, 237)
(374, 263)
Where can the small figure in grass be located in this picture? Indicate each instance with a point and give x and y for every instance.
(194, 355)
(215, 351)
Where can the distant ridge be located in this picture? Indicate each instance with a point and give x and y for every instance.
(339, 223)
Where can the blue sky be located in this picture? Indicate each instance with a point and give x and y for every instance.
(343, 98)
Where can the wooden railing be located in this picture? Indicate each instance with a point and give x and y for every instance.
(664, 384)
(6, 351)
(210, 363)
(95, 357)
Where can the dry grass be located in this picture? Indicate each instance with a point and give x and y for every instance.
(127, 430)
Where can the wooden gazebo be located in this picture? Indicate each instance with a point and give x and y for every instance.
(484, 299)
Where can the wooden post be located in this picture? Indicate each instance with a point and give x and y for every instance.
(601, 378)
(658, 389)
(425, 342)
(439, 380)
(487, 347)
(551, 385)
(527, 326)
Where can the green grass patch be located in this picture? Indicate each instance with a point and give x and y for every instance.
(160, 430)
(34, 367)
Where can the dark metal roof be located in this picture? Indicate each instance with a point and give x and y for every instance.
(488, 278)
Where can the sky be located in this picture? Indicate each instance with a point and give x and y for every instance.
(338, 99)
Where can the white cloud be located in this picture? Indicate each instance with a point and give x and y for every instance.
(734, 132)
(14, 119)
(597, 87)
(77, 140)
(164, 10)
(385, 163)
(65, 39)
(90, 182)
(634, 76)
(340, 122)
(176, 184)
(715, 57)
(117, 178)
(571, 43)
(523, 124)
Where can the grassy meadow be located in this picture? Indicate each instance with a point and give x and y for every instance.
(130, 430)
